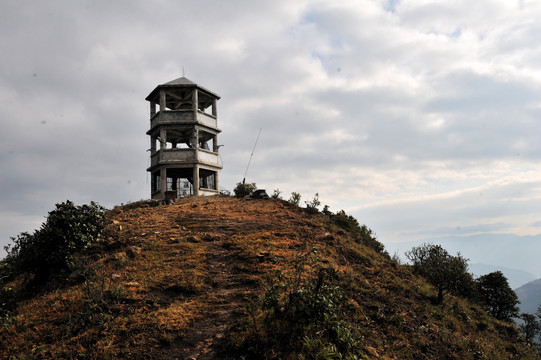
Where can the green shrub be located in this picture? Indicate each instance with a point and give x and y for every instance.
(242, 189)
(530, 327)
(68, 229)
(295, 198)
(368, 238)
(326, 211)
(302, 314)
(312, 206)
(346, 222)
(276, 194)
(363, 234)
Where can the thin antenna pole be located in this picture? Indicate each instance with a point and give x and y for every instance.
(183, 75)
(252, 154)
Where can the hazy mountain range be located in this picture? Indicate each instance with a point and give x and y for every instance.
(516, 278)
(517, 257)
(529, 296)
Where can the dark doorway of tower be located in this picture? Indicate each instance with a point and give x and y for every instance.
(179, 182)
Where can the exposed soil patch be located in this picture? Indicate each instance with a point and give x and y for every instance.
(225, 304)
(228, 281)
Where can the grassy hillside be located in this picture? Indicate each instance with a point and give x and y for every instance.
(224, 278)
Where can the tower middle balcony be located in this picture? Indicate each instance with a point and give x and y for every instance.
(169, 117)
(184, 156)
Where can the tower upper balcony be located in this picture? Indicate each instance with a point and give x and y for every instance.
(167, 117)
(182, 101)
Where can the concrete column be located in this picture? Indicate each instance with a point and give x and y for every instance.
(162, 100)
(217, 180)
(163, 182)
(195, 143)
(152, 109)
(152, 144)
(153, 184)
(195, 100)
(215, 146)
(196, 180)
(214, 109)
(163, 139)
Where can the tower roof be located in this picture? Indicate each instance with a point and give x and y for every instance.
(181, 82)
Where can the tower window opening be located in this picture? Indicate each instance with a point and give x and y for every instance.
(207, 179)
(183, 145)
(182, 186)
(206, 141)
(204, 145)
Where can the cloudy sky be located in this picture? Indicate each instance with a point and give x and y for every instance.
(420, 118)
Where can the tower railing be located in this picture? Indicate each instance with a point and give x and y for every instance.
(208, 157)
(207, 119)
(183, 116)
(184, 156)
(172, 155)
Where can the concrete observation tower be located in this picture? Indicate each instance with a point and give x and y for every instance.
(184, 157)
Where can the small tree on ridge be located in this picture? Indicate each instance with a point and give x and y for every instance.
(494, 291)
(446, 272)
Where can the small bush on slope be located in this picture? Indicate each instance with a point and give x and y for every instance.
(243, 189)
(363, 234)
(301, 314)
(312, 206)
(67, 230)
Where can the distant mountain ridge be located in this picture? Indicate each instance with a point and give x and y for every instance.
(529, 296)
(515, 277)
(509, 253)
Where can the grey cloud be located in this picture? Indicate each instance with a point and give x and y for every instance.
(537, 224)
(461, 230)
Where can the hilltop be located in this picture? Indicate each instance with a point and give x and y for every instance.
(207, 278)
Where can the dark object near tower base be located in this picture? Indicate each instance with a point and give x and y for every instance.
(259, 194)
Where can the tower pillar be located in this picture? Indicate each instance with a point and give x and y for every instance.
(163, 181)
(196, 180)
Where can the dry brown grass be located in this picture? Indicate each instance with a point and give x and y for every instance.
(173, 282)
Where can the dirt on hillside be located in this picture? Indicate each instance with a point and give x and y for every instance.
(229, 273)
